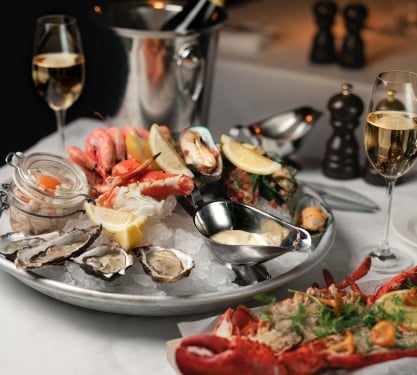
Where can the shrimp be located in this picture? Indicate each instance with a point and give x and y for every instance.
(99, 145)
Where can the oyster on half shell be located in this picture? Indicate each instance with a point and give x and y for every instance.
(58, 249)
(106, 261)
(11, 242)
(165, 264)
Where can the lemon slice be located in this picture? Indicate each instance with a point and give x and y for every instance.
(169, 160)
(247, 158)
(392, 303)
(113, 221)
(137, 147)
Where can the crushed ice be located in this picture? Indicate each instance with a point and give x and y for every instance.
(175, 230)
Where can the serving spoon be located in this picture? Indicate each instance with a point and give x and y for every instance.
(245, 260)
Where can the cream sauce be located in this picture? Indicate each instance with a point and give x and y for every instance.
(272, 234)
(238, 237)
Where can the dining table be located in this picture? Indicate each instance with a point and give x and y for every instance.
(45, 335)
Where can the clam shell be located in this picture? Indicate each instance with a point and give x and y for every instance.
(106, 261)
(58, 249)
(165, 264)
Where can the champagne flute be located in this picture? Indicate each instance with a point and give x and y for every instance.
(390, 138)
(58, 65)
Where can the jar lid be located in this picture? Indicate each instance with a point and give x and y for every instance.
(49, 174)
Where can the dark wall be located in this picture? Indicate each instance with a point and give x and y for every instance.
(28, 116)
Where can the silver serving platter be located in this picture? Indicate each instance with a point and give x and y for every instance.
(157, 305)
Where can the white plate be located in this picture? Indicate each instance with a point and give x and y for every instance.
(404, 223)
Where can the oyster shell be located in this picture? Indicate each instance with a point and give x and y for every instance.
(106, 261)
(11, 242)
(62, 247)
(165, 264)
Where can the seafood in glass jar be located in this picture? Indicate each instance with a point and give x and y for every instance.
(46, 190)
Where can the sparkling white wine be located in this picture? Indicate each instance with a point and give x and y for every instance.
(58, 78)
(391, 141)
(195, 15)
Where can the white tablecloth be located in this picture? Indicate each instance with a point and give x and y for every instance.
(40, 335)
(52, 335)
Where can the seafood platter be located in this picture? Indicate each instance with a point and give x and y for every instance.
(149, 222)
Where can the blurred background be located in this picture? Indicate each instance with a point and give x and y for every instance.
(105, 72)
(267, 33)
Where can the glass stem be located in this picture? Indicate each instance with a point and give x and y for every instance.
(60, 115)
(384, 246)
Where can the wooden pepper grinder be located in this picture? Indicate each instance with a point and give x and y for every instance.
(323, 50)
(341, 159)
(352, 54)
(369, 173)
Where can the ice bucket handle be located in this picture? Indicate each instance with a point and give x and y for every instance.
(190, 71)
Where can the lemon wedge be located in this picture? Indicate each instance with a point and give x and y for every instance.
(112, 220)
(125, 226)
(137, 147)
(392, 302)
(129, 237)
(247, 158)
(169, 160)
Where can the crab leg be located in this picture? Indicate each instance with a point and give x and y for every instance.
(161, 184)
(156, 184)
(124, 172)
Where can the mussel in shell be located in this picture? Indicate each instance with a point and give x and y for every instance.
(200, 153)
(311, 215)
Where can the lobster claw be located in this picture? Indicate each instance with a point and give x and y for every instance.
(208, 354)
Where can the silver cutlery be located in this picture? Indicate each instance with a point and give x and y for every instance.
(344, 199)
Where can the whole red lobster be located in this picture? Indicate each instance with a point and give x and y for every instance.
(241, 344)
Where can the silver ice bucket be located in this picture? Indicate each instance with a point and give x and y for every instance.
(170, 75)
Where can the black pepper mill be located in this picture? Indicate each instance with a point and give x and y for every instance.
(370, 174)
(323, 50)
(341, 159)
(352, 54)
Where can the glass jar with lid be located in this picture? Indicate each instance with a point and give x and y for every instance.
(46, 190)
